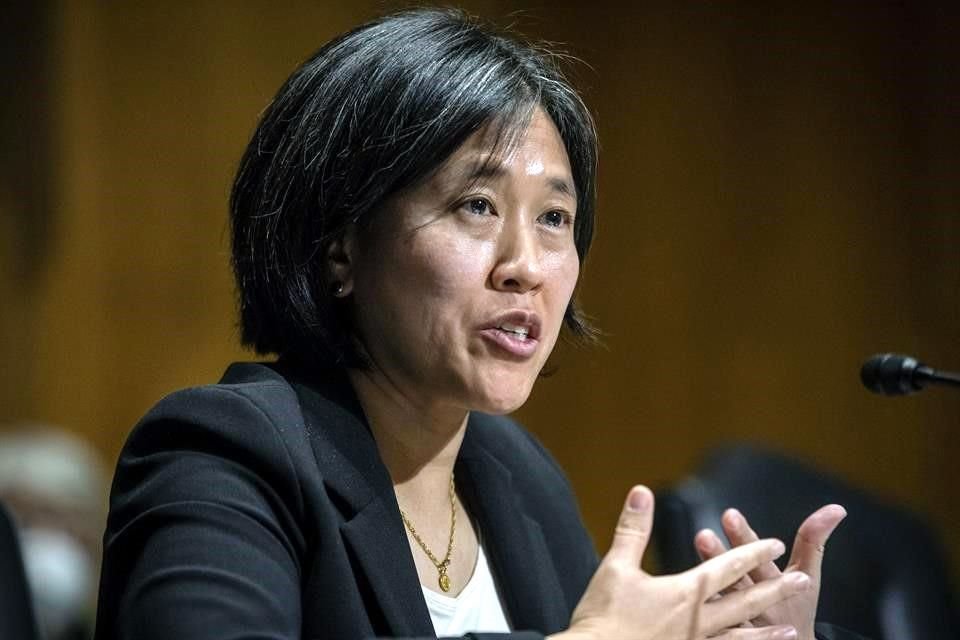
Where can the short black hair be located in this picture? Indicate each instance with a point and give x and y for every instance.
(374, 112)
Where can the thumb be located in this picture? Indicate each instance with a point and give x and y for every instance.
(808, 547)
(633, 528)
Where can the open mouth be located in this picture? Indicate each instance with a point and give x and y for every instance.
(517, 331)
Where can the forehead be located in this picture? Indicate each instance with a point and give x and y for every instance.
(535, 151)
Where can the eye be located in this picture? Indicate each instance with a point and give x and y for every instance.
(477, 206)
(556, 218)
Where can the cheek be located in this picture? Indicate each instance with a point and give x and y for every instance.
(425, 284)
(564, 271)
(446, 267)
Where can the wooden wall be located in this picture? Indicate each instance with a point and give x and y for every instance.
(778, 200)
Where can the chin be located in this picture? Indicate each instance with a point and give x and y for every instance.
(501, 409)
(504, 399)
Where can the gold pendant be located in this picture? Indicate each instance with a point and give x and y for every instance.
(444, 581)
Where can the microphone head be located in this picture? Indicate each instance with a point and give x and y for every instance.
(890, 374)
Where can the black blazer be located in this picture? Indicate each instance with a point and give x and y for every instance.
(259, 507)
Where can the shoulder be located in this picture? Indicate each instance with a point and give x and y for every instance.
(263, 423)
(251, 407)
(246, 429)
(244, 387)
(256, 403)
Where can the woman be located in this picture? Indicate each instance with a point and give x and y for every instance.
(409, 221)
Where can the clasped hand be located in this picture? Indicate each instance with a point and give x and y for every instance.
(736, 594)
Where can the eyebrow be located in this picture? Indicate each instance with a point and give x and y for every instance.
(485, 169)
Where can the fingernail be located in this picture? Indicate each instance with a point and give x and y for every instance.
(778, 548)
(639, 501)
(799, 580)
(785, 634)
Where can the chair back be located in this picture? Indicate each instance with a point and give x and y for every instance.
(884, 576)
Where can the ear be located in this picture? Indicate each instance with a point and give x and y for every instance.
(341, 253)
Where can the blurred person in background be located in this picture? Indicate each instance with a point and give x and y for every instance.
(55, 486)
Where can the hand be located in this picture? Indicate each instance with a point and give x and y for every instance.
(624, 602)
(806, 557)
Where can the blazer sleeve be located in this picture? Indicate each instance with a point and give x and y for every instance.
(202, 538)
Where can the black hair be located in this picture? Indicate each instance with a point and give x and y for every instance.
(372, 113)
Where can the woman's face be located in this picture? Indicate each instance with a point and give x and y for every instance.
(461, 286)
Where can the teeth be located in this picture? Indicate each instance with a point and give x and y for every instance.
(512, 328)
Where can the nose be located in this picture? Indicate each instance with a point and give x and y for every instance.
(518, 268)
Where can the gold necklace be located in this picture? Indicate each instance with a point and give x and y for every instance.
(443, 579)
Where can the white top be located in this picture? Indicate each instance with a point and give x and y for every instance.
(476, 609)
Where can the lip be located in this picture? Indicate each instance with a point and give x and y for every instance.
(509, 341)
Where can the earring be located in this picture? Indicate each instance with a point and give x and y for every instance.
(337, 289)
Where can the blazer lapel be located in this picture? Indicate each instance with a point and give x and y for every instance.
(519, 557)
(371, 536)
(361, 487)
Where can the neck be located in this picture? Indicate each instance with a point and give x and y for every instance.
(418, 442)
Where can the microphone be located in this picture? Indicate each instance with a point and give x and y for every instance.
(893, 374)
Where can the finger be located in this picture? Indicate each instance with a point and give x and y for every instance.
(694, 626)
(727, 568)
(750, 603)
(709, 545)
(780, 632)
(633, 528)
(811, 540)
(738, 531)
